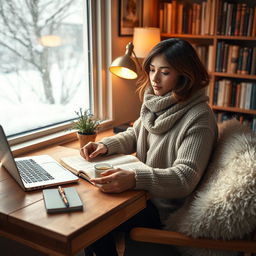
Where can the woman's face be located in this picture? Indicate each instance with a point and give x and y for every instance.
(163, 77)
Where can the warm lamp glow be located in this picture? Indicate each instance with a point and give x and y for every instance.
(50, 40)
(124, 66)
(123, 72)
(144, 39)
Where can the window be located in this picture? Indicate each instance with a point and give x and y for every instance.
(45, 62)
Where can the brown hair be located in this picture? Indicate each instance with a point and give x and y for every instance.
(183, 58)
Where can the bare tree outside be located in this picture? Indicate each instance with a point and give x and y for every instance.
(41, 47)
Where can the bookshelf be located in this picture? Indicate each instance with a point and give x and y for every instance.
(224, 34)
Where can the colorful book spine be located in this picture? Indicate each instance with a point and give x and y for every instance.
(248, 94)
(253, 97)
(253, 62)
(234, 59)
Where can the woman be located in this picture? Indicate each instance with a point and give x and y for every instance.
(174, 135)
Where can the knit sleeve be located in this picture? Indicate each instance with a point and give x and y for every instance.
(181, 178)
(123, 142)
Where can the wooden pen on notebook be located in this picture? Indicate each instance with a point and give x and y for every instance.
(63, 196)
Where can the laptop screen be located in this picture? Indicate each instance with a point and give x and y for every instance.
(6, 158)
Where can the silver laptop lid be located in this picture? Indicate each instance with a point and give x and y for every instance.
(6, 158)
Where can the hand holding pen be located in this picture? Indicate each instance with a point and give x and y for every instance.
(63, 196)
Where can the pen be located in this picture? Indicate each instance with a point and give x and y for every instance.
(63, 196)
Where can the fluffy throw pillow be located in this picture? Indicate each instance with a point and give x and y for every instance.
(224, 204)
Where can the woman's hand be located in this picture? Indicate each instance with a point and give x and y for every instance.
(115, 180)
(93, 149)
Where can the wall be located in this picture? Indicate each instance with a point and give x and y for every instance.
(126, 103)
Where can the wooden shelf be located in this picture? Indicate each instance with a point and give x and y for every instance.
(237, 110)
(188, 36)
(234, 75)
(247, 38)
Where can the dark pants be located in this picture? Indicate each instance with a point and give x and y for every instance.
(105, 246)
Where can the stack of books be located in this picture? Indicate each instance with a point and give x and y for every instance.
(235, 59)
(178, 17)
(228, 93)
(236, 19)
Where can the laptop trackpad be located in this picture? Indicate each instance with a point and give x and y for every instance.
(53, 168)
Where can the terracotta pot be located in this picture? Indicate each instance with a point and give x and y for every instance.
(85, 138)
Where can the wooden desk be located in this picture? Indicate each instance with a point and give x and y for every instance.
(23, 217)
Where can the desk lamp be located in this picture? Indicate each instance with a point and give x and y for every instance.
(144, 39)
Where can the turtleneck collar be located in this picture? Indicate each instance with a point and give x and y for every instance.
(159, 113)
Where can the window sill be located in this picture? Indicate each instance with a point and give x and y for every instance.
(52, 139)
(35, 144)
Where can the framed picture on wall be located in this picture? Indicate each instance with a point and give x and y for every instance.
(130, 16)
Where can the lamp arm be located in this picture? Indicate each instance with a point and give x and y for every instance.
(137, 61)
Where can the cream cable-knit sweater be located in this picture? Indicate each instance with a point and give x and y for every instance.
(175, 141)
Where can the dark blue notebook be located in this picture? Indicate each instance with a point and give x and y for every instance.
(54, 203)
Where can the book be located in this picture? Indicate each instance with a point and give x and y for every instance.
(240, 60)
(180, 18)
(229, 19)
(185, 19)
(233, 20)
(243, 95)
(238, 19)
(224, 58)
(161, 19)
(253, 97)
(254, 124)
(233, 94)
(203, 18)
(197, 19)
(85, 169)
(248, 94)
(232, 66)
(215, 93)
(224, 18)
(190, 21)
(210, 63)
(245, 56)
(219, 17)
(54, 203)
(168, 17)
(174, 17)
(253, 62)
(242, 20)
(246, 21)
(221, 93)
(254, 22)
(219, 56)
(250, 20)
(249, 61)
(213, 17)
(227, 93)
(238, 95)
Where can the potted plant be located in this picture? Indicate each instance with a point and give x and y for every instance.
(86, 127)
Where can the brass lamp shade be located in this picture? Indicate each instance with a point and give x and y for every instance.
(124, 66)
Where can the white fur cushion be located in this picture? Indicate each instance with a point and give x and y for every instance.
(224, 204)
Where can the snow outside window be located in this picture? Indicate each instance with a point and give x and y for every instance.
(44, 63)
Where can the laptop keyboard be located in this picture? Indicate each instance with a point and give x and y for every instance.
(31, 171)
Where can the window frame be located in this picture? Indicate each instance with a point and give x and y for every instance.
(99, 32)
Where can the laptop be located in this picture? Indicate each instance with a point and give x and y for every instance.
(34, 172)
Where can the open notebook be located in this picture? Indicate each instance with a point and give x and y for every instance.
(33, 172)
